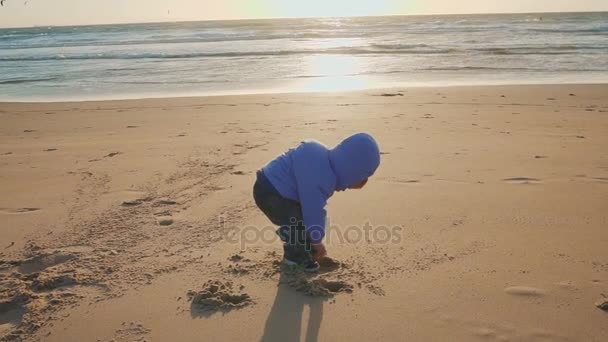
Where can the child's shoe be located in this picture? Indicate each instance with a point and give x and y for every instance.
(310, 267)
(298, 256)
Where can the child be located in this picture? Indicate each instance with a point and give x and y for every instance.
(292, 191)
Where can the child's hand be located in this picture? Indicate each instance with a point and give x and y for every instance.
(318, 251)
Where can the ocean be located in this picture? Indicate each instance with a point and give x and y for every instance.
(299, 55)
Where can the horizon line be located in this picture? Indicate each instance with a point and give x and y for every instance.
(296, 18)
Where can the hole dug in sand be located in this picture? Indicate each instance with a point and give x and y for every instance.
(318, 287)
(329, 265)
(312, 285)
(11, 314)
(217, 295)
(42, 262)
(52, 282)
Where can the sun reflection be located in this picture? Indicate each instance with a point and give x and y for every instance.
(332, 73)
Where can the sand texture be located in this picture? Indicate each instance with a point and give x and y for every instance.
(134, 220)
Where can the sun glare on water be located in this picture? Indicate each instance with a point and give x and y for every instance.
(333, 68)
(332, 73)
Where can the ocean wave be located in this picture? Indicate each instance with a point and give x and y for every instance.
(399, 46)
(244, 54)
(180, 82)
(119, 59)
(14, 43)
(510, 69)
(599, 30)
(473, 68)
(542, 50)
(372, 49)
(27, 80)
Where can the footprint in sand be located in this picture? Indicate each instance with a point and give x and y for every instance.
(390, 94)
(217, 295)
(133, 331)
(165, 202)
(18, 210)
(405, 181)
(28, 130)
(566, 285)
(44, 261)
(132, 126)
(11, 314)
(50, 150)
(112, 154)
(525, 291)
(328, 264)
(522, 180)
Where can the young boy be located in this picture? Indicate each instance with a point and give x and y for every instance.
(293, 189)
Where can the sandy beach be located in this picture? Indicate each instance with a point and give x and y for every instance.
(133, 220)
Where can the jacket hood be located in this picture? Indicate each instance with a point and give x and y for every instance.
(354, 159)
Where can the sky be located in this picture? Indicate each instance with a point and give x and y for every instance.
(23, 13)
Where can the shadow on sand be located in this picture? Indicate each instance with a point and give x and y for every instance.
(285, 319)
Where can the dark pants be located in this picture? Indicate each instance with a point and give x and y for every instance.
(287, 214)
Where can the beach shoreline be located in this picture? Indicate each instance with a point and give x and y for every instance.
(119, 216)
(287, 92)
(266, 92)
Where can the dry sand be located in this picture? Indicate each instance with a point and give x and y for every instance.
(118, 218)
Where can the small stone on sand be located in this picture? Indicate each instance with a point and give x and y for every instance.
(131, 203)
(602, 305)
(164, 221)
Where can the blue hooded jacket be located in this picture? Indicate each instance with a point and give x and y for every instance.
(310, 173)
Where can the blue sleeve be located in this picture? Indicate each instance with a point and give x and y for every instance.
(313, 203)
(312, 199)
